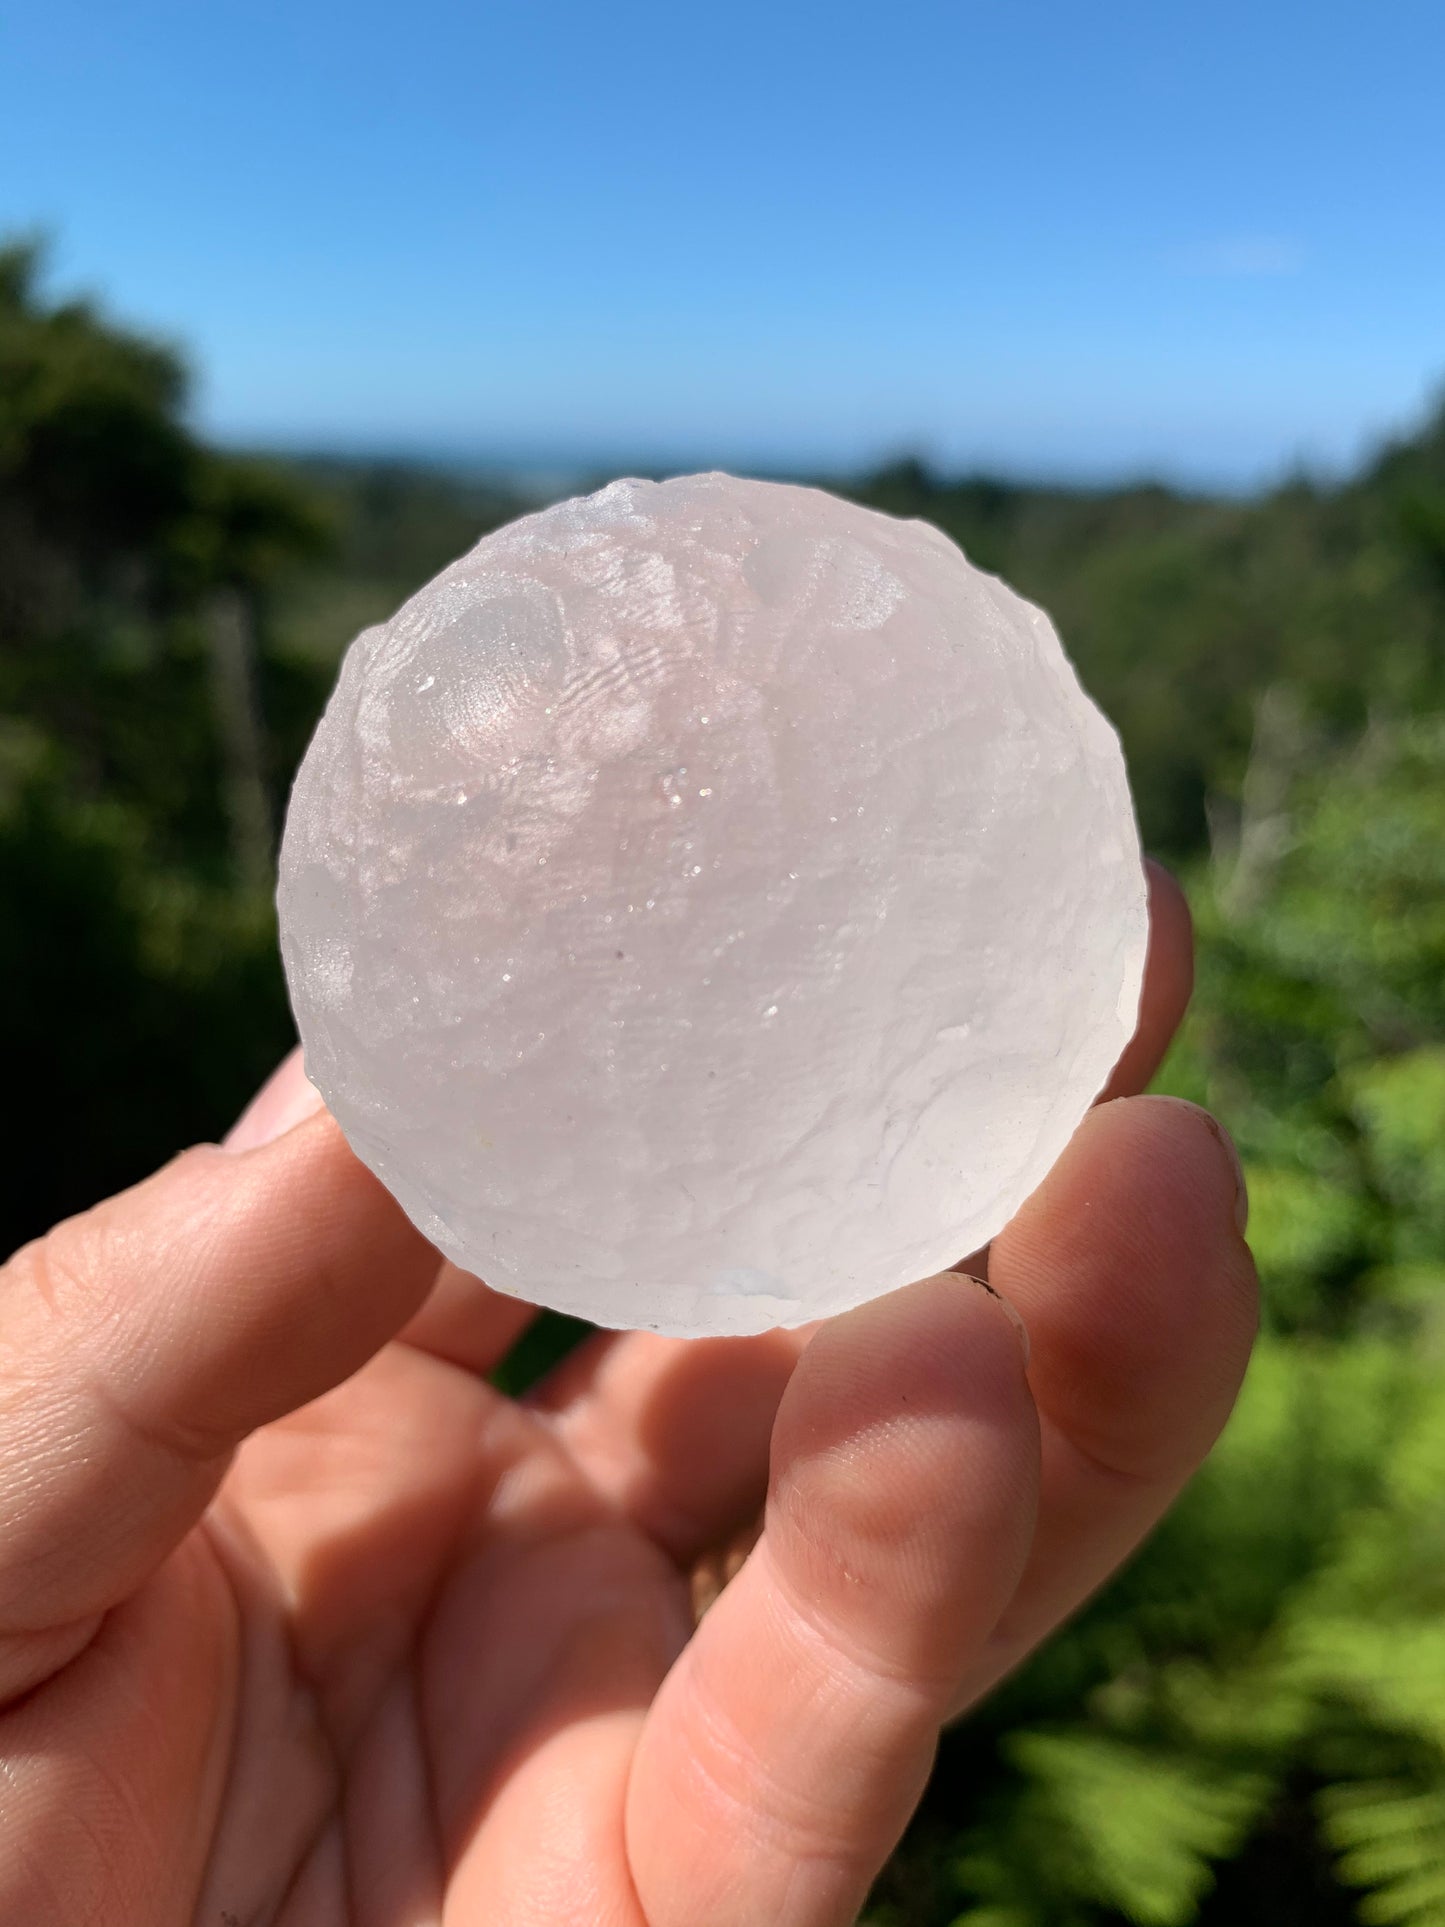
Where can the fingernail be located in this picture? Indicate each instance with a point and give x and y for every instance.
(285, 1099)
(1015, 1316)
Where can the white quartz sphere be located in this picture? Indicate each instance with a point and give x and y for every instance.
(709, 904)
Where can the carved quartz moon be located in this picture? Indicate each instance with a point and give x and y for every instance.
(709, 904)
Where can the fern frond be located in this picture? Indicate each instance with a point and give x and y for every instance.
(1390, 1838)
(1145, 1824)
(1393, 1672)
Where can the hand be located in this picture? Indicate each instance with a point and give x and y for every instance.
(302, 1622)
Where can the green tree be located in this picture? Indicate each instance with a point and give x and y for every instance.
(138, 778)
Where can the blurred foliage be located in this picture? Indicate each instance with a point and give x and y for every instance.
(1248, 1725)
(143, 996)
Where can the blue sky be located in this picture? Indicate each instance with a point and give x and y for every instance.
(1200, 239)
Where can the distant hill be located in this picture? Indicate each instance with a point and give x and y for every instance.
(1179, 609)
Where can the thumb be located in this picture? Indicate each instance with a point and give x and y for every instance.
(142, 1341)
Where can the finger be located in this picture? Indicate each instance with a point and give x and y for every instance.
(1138, 1291)
(676, 1431)
(465, 1323)
(93, 1764)
(789, 1743)
(287, 1096)
(1168, 984)
(461, 1322)
(140, 1342)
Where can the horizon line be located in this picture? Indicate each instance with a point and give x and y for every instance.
(537, 472)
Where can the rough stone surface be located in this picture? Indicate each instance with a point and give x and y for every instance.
(708, 905)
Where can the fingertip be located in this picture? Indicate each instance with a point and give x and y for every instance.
(907, 1438)
(287, 1098)
(1142, 1303)
(1010, 1311)
(1138, 1290)
(1151, 1185)
(1171, 934)
(1167, 987)
(935, 1345)
(1197, 1176)
(1201, 1120)
(1169, 905)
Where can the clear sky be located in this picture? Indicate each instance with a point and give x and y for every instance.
(1203, 237)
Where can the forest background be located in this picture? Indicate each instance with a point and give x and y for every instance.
(1249, 1725)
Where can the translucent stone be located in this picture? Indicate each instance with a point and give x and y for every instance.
(709, 904)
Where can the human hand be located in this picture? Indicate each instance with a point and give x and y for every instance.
(302, 1622)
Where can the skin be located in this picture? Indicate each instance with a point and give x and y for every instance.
(302, 1622)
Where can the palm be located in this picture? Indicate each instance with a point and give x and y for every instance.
(473, 1635)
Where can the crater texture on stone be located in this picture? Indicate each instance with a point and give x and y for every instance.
(710, 904)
